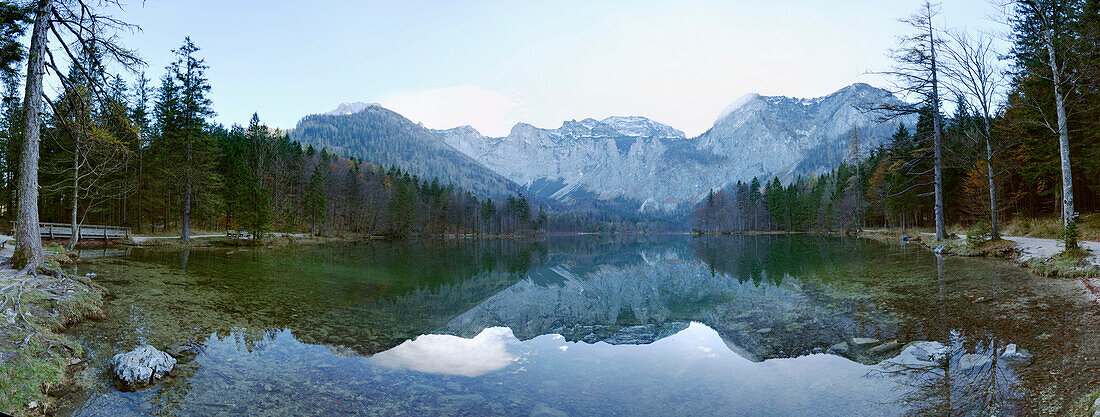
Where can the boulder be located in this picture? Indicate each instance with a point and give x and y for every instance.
(141, 366)
(862, 342)
(918, 354)
(1012, 353)
(885, 347)
(839, 349)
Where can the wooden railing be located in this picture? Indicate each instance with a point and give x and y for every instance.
(87, 231)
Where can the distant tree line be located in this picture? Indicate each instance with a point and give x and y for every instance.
(1023, 139)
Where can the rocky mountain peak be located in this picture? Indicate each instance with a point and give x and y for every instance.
(345, 109)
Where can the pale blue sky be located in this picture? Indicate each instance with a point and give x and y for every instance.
(493, 63)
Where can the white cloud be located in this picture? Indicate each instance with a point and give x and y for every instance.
(490, 112)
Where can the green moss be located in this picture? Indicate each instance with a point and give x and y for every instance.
(1084, 406)
(28, 378)
(34, 356)
(1063, 265)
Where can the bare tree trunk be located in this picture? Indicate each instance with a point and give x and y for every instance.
(28, 239)
(937, 135)
(74, 234)
(994, 223)
(185, 231)
(1063, 140)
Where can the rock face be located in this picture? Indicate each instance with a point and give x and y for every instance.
(141, 366)
(658, 168)
(621, 162)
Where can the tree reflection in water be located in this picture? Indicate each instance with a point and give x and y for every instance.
(952, 379)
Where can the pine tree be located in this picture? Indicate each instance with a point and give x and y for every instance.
(186, 148)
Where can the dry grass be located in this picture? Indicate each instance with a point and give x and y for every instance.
(1051, 227)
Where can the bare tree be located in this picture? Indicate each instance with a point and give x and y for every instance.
(977, 78)
(916, 75)
(96, 157)
(78, 28)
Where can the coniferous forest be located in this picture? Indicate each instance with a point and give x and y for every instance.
(147, 156)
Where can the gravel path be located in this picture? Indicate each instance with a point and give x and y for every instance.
(1036, 247)
(1041, 247)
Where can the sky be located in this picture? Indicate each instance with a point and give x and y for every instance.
(491, 64)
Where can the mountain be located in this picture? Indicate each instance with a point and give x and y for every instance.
(785, 137)
(618, 157)
(383, 137)
(618, 163)
(345, 109)
(656, 167)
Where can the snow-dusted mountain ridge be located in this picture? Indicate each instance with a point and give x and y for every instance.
(637, 159)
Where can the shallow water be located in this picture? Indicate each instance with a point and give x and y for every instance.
(665, 325)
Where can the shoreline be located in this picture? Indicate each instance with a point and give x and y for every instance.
(53, 371)
(36, 359)
(1039, 256)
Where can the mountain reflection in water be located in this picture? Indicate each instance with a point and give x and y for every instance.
(743, 325)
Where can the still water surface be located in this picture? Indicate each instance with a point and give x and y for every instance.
(665, 325)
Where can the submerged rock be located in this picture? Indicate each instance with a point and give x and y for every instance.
(1011, 353)
(862, 342)
(838, 349)
(918, 354)
(141, 366)
(886, 347)
(182, 349)
(973, 360)
(543, 410)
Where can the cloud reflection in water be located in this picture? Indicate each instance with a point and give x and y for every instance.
(452, 355)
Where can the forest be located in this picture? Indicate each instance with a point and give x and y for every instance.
(149, 157)
(1021, 141)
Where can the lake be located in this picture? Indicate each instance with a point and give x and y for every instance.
(584, 325)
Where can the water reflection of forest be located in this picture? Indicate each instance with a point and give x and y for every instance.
(767, 296)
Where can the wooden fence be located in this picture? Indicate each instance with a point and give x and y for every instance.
(87, 231)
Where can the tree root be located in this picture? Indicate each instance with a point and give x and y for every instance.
(13, 296)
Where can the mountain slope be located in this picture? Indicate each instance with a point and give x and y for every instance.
(656, 167)
(784, 137)
(383, 137)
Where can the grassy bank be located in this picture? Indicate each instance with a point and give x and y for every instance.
(1088, 226)
(1071, 264)
(34, 356)
(1088, 406)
